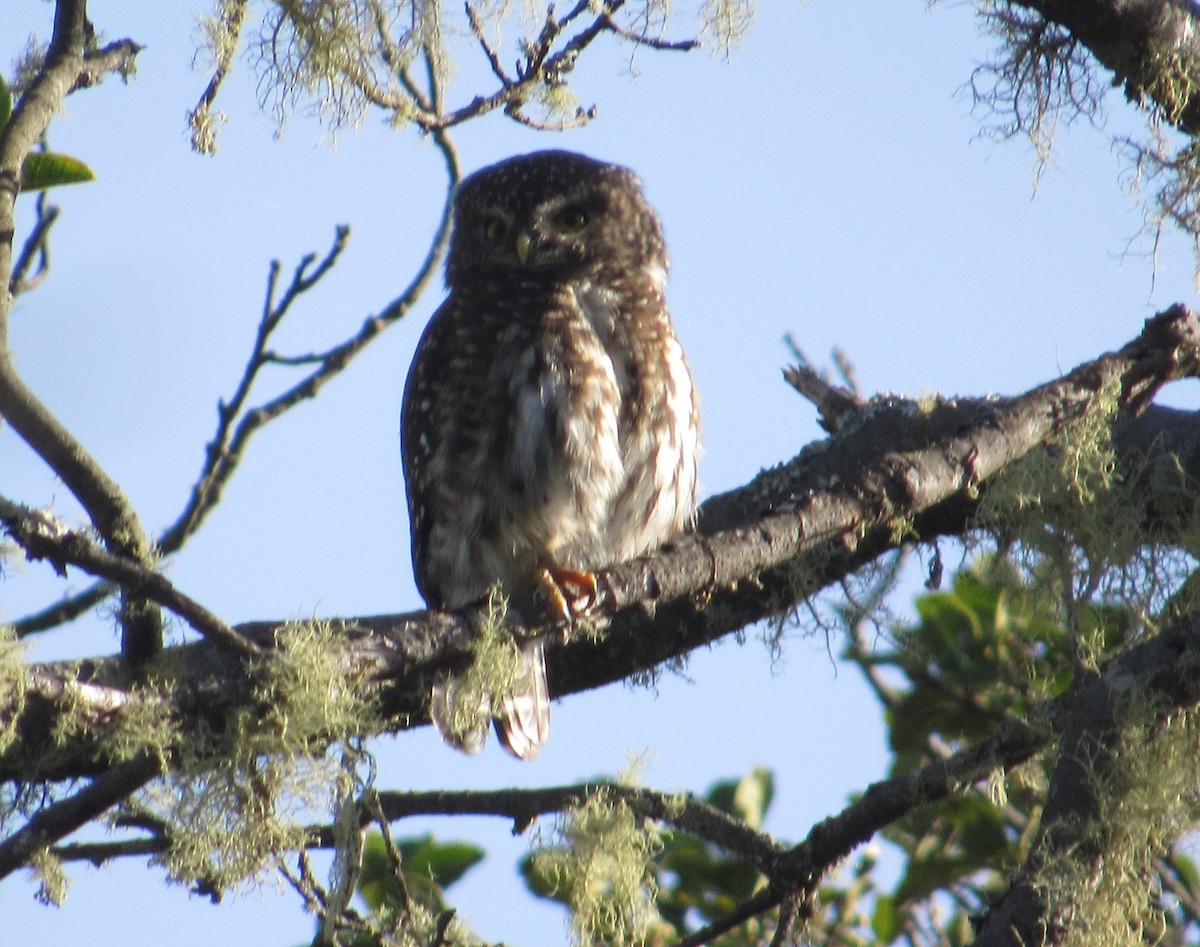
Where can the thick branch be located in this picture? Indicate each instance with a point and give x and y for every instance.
(759, 551)
(1152, 48)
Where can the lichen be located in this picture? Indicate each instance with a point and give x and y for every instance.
(497, 670)
(306, 692)
(1073, 484)
(1147, 799)
(726, 22)
(146, 724)
(12, 686)
(238, 801)
(53, 882)
(229, 826)
(600, 860)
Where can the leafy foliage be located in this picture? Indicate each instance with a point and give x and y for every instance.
(990, 647)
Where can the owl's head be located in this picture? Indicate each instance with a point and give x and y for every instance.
(552, 215)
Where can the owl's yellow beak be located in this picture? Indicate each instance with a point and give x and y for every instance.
(524, 242)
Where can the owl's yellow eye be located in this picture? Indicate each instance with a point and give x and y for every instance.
(572, 219)
(493, 229)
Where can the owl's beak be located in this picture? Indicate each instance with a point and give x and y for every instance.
(524, 242)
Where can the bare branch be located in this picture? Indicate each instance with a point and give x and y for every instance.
(492, 57)
(236, 424)
(835, 403)
(65, 816)
(764, 901)
(119, 58)
(98, 853)
(66, 67)
(226, 449)
(41, 538)
(525, 805)
(652, 42)
(221, 459)
(64, 611)
(36, 246)
(581, 117)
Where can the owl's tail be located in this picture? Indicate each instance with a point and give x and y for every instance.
(522, 720)
(523, 723)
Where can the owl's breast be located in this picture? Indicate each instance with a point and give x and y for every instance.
(563, 451)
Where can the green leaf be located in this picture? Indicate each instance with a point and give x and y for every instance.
(747, 798)
(444, 862)
(540, 883)
(428, 865)
(886, 921)
(5, 103)
(1185, 868)
(46, 169)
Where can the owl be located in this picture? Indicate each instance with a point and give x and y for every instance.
(550, 422)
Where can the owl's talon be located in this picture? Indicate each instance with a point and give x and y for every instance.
(569, 593)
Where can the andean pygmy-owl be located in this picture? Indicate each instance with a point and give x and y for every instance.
(550, 423)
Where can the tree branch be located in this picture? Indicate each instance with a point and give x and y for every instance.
(1152, 48)
(43, 538)
(237, 424)
(36, 246)
(66, 68)
(757, 553)
(65, 816)
(523, 806)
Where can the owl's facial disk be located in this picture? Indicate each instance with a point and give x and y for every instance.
(549, 238)
(552, 216)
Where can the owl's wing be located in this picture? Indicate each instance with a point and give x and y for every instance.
(451, 407)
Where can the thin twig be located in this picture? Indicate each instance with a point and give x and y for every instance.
(64, 611)
(305, 885)
(751, 907)
(390, 848)
(641, 39)
(100, 852)
(582, 117)
(221, 458)
(226, 449)
(36, 246)
(492, 57)
(43, 538)
(65, 816)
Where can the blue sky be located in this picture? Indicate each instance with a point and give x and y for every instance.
(827, 180)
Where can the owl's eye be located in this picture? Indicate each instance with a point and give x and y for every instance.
(493, 229)
(571, 219)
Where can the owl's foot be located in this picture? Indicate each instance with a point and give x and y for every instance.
(568, 593)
